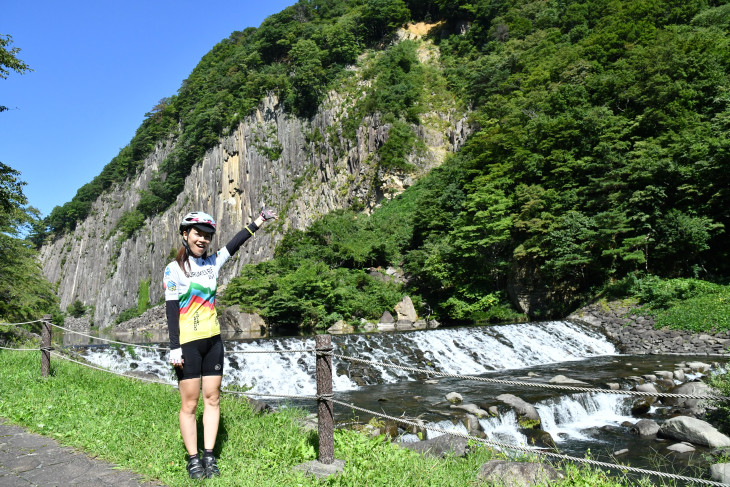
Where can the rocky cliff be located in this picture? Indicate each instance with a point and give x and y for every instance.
(271, 157)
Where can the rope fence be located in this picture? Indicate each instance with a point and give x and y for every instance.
(326, 399)
(110, 341)
(23, 323)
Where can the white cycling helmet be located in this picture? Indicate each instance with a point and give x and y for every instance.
(198, 219)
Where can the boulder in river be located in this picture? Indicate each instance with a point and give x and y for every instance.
(650, 388)
(454, 398)
(473, 426)
(720, 472)
(696, 431)
(698, 366)
(645, 427)
(641, 406)
(682, 447)
(540, 439)
(689, 406)
(527, 415)
(472, 409)
(561, 379)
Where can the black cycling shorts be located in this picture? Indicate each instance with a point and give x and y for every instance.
(201, 357)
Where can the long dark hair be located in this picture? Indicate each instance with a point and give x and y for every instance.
(182, 259)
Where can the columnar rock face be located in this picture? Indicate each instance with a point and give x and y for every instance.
(270, 157)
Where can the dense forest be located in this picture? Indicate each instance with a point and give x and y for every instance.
(602, 150)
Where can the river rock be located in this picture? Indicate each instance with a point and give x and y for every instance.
(641, 406)
(679, 375)
(406, 311)
(683, 447)
(527, 415)
(539, 438)
(613, 386)
(390, 429)
(620, 452)
(387, 318)
(698, 366)
(720, 472)
(433, 323)
(340, 326)
(646, 388)
(473, 426)
(454, 398)
(696, 431)
(233, 319)
(472, 409)
(665, 374)
(517, 474)
(689, 406)
(561, 379)
(440, 446)
(645, 427)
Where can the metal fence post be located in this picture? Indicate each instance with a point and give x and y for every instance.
(326, 421)
(46, 346)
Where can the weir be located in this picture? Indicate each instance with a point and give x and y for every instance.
(462, 350)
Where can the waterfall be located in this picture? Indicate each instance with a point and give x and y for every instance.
(566, 418)
(463, 350)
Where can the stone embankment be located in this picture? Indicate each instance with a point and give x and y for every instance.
(633, 333)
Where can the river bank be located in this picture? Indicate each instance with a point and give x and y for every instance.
(634, 333)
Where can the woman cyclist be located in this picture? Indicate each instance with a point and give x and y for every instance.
(196, 348)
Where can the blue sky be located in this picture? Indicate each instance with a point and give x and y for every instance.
(99, 66)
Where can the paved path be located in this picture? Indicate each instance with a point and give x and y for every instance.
(28, 459)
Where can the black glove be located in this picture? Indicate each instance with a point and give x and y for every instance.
(268, 214)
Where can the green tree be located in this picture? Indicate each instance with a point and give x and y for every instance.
(24, 293)
(381, 18)
(308, 76)
(9, 60)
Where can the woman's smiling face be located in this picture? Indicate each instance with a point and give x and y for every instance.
(198, 241)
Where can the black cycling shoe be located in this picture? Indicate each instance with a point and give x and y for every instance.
(195, 468)
(211, 468)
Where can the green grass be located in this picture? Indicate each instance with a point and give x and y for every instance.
(134, 424)
(692, 305)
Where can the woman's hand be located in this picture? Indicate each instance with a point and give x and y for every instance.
(176, 357)
(265, 215)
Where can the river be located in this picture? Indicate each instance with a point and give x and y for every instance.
(520, 352)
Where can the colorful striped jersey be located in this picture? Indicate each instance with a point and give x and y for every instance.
(195, 294)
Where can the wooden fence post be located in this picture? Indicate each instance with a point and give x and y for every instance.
(326, 421)
(46, 346)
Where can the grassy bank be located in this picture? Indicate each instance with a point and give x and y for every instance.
(691, 305)
(134, 424)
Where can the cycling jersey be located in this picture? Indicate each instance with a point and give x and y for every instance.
(195, 293)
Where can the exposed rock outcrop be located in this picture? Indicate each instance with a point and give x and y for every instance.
(307, 179)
